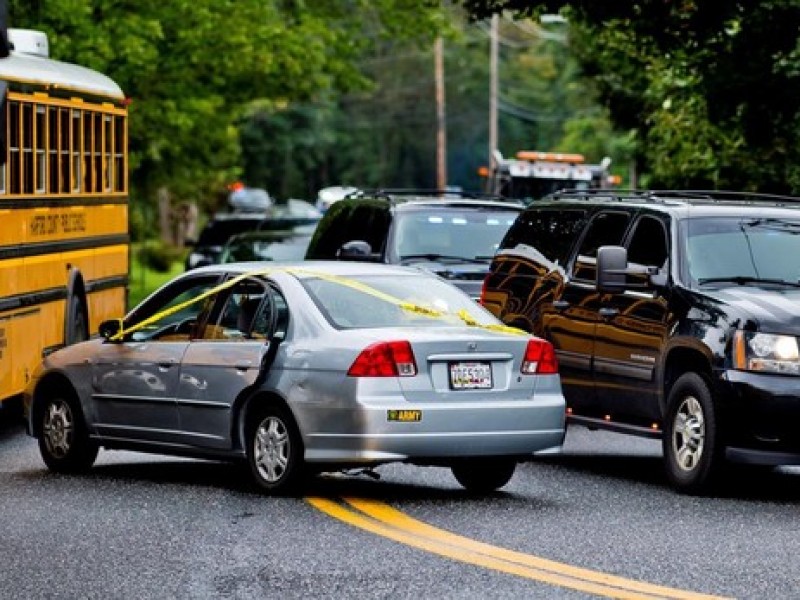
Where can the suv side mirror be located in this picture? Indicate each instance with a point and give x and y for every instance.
(612, 265)
(355, 250)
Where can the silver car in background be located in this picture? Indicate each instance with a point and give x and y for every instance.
(303, 368)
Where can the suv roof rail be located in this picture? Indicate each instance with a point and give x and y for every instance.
(680, 195)
(392, 194)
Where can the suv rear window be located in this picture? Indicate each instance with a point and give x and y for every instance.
(451, 232)
(552, 232)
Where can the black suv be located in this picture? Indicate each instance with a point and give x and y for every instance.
(452, 234)
(207, 250)
(675, 315)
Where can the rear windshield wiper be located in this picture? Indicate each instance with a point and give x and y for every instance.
(744, 280)
(443, 257)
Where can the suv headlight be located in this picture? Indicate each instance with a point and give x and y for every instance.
(766, 352)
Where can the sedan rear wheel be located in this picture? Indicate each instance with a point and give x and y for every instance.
(484, 475)
(64, 441)
(274, 451)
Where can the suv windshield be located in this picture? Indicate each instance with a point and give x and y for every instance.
(737, 250)
(450, 234)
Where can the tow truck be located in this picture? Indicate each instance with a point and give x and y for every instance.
(532, 174)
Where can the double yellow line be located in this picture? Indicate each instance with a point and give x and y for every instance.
(381, 519)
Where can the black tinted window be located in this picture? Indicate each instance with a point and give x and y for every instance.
(216, 233)
(648, 246)
(606, 229)
(348, 221)
(552, 232)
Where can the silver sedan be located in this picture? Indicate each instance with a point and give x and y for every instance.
(303, 368)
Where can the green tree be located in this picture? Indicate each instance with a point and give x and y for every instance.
(712, 88)
(191, 68)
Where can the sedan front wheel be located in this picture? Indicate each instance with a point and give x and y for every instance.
(64, 440)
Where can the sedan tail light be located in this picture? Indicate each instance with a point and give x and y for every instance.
(385, 359)
(540, 358)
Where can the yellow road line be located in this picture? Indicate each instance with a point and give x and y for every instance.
(381, 519)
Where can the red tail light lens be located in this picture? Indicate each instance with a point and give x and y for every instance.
(385, 359)
(483, 290)
(540, 358)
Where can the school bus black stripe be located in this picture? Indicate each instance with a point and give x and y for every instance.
(107, 283)
(39, 248)
(58, 202)
(55, 294)
(19, 315)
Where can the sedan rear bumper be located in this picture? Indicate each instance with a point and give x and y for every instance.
(373, 433)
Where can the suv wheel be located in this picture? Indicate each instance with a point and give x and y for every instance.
(691, 443)
(484, 475)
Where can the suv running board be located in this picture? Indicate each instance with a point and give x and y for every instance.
(595, 423)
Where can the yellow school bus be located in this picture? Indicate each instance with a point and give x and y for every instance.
(63, 206)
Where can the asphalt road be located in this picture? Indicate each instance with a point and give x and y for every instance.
(141, 526)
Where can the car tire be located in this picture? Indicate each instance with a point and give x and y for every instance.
(76, 326)
(693, 449)
(484, 475)
(275, 451)
(64, 441)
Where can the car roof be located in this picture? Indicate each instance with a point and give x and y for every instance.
(272, 234)
(308, 268)
(680, 203)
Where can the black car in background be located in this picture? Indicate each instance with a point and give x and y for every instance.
(674, 315)
(222, 226)
(452, 234)
(268, 245)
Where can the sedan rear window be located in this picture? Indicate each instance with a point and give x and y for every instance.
(382, 301)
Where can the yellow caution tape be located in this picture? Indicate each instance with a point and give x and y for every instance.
(463, 314)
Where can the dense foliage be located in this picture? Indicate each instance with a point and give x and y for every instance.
(711, 88)
(293, 95)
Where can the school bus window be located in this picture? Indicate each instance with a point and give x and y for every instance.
(52, 150)
(40, 143)
(75, 145)
(87, 152)
(14, 158)
(27, 148)
(119, 156)
(63, 149)
(107, 153)
(97, 153)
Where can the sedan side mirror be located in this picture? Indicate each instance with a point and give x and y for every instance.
(110, 328)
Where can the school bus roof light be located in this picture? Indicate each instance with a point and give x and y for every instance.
(534, 155)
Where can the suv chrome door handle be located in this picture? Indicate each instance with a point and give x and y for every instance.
(608, 313)
(560, 304)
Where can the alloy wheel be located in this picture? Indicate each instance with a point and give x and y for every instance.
(688, 436)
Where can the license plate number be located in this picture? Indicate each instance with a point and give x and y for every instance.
(470, 376)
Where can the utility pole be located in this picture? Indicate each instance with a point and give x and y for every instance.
(493, 91)
(441, 123)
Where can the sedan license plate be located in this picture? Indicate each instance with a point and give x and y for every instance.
(470, 376)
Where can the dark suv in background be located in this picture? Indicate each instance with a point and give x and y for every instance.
(208, 248)
(674, 315)
(452, 234)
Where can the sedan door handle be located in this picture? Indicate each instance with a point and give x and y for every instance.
(166, 363)
(243, 365)
(608, 313)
